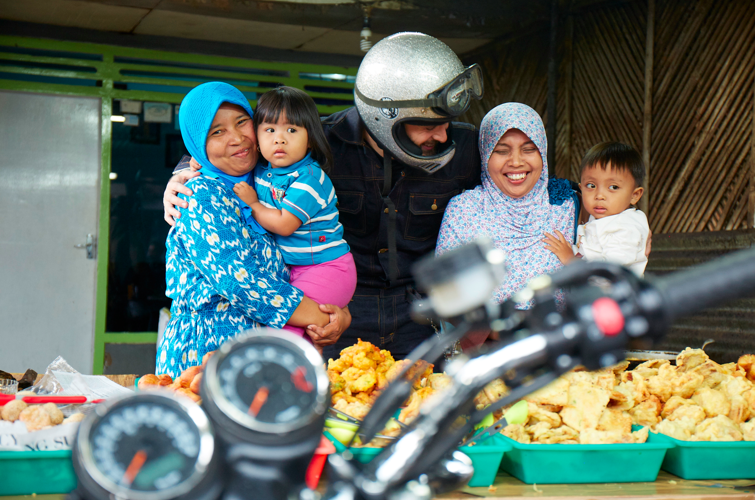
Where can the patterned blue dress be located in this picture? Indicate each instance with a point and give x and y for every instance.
(222, 277)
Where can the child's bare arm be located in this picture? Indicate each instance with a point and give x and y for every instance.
(276, 221)
(559, 246)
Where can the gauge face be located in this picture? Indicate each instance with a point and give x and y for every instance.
(269, 382)
(145, 446)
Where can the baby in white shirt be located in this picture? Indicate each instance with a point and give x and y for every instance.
(611, 182)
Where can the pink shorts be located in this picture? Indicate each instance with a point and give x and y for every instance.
(332, 282)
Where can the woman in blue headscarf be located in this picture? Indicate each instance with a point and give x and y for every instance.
(223, 270)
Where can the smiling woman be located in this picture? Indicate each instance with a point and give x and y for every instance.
(224, 272)
(516, 204)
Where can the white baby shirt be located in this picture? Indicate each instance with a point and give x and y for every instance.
(619, 238)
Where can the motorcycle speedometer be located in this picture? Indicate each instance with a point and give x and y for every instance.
(149, 446)
(268, 385)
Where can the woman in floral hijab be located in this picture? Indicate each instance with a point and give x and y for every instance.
(517, 204)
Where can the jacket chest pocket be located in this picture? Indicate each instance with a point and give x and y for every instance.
(351, 212)
(426, 214)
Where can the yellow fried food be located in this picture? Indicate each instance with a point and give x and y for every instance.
(747, 363)
(13, 409)
(740, 410)
(536, 413)
(646, 413)
(491, 393)
(56, 416)
(543, 434)
(356, 410)
(615, 421)
(438, 381)
(556, 393)
(76, 417)
(337, 382)
(713, 402)
(748, 430)
(690, 358)
(35, 418)
(681, 429)
(719, 428)
(517, 433)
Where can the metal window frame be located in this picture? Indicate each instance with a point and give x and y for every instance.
(106, 73)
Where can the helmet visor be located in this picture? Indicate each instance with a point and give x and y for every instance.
(454, 98)
(451, 100)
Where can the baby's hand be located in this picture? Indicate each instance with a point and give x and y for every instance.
(559, 246)
(246, 193)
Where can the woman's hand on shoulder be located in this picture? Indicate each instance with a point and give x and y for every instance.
(172, 190)
(340, 320)
(559, 246)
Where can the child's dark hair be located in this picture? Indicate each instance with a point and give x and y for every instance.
(620, 156)
(300, 110)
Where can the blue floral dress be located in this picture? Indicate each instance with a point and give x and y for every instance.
(222, 277)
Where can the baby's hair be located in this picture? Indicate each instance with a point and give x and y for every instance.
(620, 156)
(300, 110)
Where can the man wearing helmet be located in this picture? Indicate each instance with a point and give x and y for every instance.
(398, 160)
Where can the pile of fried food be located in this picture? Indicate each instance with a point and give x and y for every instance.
(696, 399)
(362, 371)
(36, 417)
(186, 384)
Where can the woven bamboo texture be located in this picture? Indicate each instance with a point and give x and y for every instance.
(702, 130)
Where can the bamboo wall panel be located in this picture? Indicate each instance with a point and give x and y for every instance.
(703, 112)
(608, 78)
(514, 70)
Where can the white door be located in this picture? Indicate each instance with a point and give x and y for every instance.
(49, 202)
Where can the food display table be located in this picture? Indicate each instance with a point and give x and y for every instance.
(666, 487)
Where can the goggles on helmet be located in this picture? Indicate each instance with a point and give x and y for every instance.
(452, 99)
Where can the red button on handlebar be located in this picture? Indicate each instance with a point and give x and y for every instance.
(607, 315)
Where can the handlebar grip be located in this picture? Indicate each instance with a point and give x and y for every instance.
(724, 279)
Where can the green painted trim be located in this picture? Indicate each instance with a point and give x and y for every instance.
(130, 338)
(103, 243)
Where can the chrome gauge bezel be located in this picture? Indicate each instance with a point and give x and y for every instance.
(280, 339)
(177, 403)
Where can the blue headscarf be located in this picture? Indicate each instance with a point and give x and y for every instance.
(195, 117)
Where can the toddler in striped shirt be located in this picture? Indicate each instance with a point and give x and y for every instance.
(294, 198)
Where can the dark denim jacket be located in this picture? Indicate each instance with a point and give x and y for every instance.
(420, 198)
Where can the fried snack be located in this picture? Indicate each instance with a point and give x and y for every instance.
(517, 433)
(148, 382)
(206, 358)
(56, 416)
(713, 402)
(681, 429)
(740, 410)
(556, 394)
(719, 428)
(491, 393)
(35, 418)
(543, 434)
(690, 358)
(615, 421)
(166, 380)
(188, 375)
(647, 412)
(411, 411)
(589, 401)
(536, 413)
(356, 410)
(76, 417)
(748, 430)
(13, 409)
(438, 381)
(747, 363)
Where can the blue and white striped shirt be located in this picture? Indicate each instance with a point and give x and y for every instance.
(306, 191)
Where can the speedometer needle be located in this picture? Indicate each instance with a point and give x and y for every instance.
(258, 401)
(134, 467)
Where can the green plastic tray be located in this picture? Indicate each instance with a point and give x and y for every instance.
(40, 472)
(486, 458)
(584, 463)
(708, 459)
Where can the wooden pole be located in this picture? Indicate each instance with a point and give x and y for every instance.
(552, 90)
(648, 111)
(751, 198)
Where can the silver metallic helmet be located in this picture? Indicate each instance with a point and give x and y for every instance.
(413, 77)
